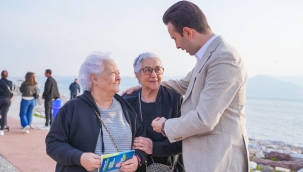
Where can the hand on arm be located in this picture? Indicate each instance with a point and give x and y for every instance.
(90, 161)
(131, 90)
(144, 144)
(130, 165)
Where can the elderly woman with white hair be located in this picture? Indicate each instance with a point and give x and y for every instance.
(150, 102)
(95, 123)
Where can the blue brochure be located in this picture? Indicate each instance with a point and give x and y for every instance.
(113, 161)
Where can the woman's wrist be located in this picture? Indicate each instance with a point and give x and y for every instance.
(139, 160)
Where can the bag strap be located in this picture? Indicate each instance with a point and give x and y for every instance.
(175, 161)
(112, 138)
(176, 157)
(9, 89)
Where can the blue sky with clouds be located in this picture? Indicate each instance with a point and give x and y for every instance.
(35, 35)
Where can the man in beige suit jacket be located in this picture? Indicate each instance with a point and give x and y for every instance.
(212, 122)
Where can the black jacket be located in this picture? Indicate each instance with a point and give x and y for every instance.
(50, 89)
(76, 129)
(73, 88)
(168, 104)
(4, 91)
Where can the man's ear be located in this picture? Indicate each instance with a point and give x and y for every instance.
(187, 32)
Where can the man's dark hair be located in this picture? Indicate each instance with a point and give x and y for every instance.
(48, 71)
(186, 14)
(4, 74)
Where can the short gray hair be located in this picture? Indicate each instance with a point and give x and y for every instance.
(137, 62)
(93, 64)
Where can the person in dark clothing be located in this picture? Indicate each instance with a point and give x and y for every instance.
(5, 100)
(50, 93)
(150, 102)
(82, 129)
(74, 89)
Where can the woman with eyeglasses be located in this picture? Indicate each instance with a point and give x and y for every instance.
(150, 102)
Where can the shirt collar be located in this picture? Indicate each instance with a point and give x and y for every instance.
(202, 50)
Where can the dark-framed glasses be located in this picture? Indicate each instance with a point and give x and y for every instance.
(149, 70)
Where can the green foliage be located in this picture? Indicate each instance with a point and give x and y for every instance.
(274, 159)
(37, 114)
(259, 168)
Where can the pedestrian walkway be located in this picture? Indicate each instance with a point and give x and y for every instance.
(26, 152)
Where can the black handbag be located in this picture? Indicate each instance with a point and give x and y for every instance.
(157, 167)
(36, 95)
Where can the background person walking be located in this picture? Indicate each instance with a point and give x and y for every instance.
(5, 99)
(74, 88)
(28, 88)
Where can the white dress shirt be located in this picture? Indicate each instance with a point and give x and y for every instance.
(202, 50)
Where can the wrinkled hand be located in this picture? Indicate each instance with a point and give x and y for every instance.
(157, 124)
(130, 165)
(144, 144)
(90, 161)
(131, 90)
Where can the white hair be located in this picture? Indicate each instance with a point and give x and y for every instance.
(138, 61)
(93, 64)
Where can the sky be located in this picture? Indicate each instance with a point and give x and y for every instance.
(60, 34)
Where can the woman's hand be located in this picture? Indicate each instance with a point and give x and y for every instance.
(130, 165)
(90, 161)
(144, 144)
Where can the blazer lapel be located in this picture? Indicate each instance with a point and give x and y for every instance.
(200, 64)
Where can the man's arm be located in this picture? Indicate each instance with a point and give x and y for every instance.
(224, 78)
(180, 86)
(78, 87)
(47, 87)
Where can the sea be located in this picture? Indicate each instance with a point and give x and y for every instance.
(275, 119)
(267, 118)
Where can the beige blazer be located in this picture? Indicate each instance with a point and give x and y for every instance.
(212, 122)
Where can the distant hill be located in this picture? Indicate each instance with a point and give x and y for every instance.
(297, 80)
(269, 87)
(258, 86)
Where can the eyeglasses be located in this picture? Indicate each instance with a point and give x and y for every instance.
(149, 70)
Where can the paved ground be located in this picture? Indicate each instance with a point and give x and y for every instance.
(24, 152)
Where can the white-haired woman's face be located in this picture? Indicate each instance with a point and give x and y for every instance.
(154, 79)
(109, 79)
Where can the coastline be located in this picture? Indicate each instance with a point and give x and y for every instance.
(265, 155)
(271, 156)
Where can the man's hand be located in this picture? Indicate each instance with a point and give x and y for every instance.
(130, 165)
(157, 124)
(130, 90)
(144, 144)
(90, 161)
